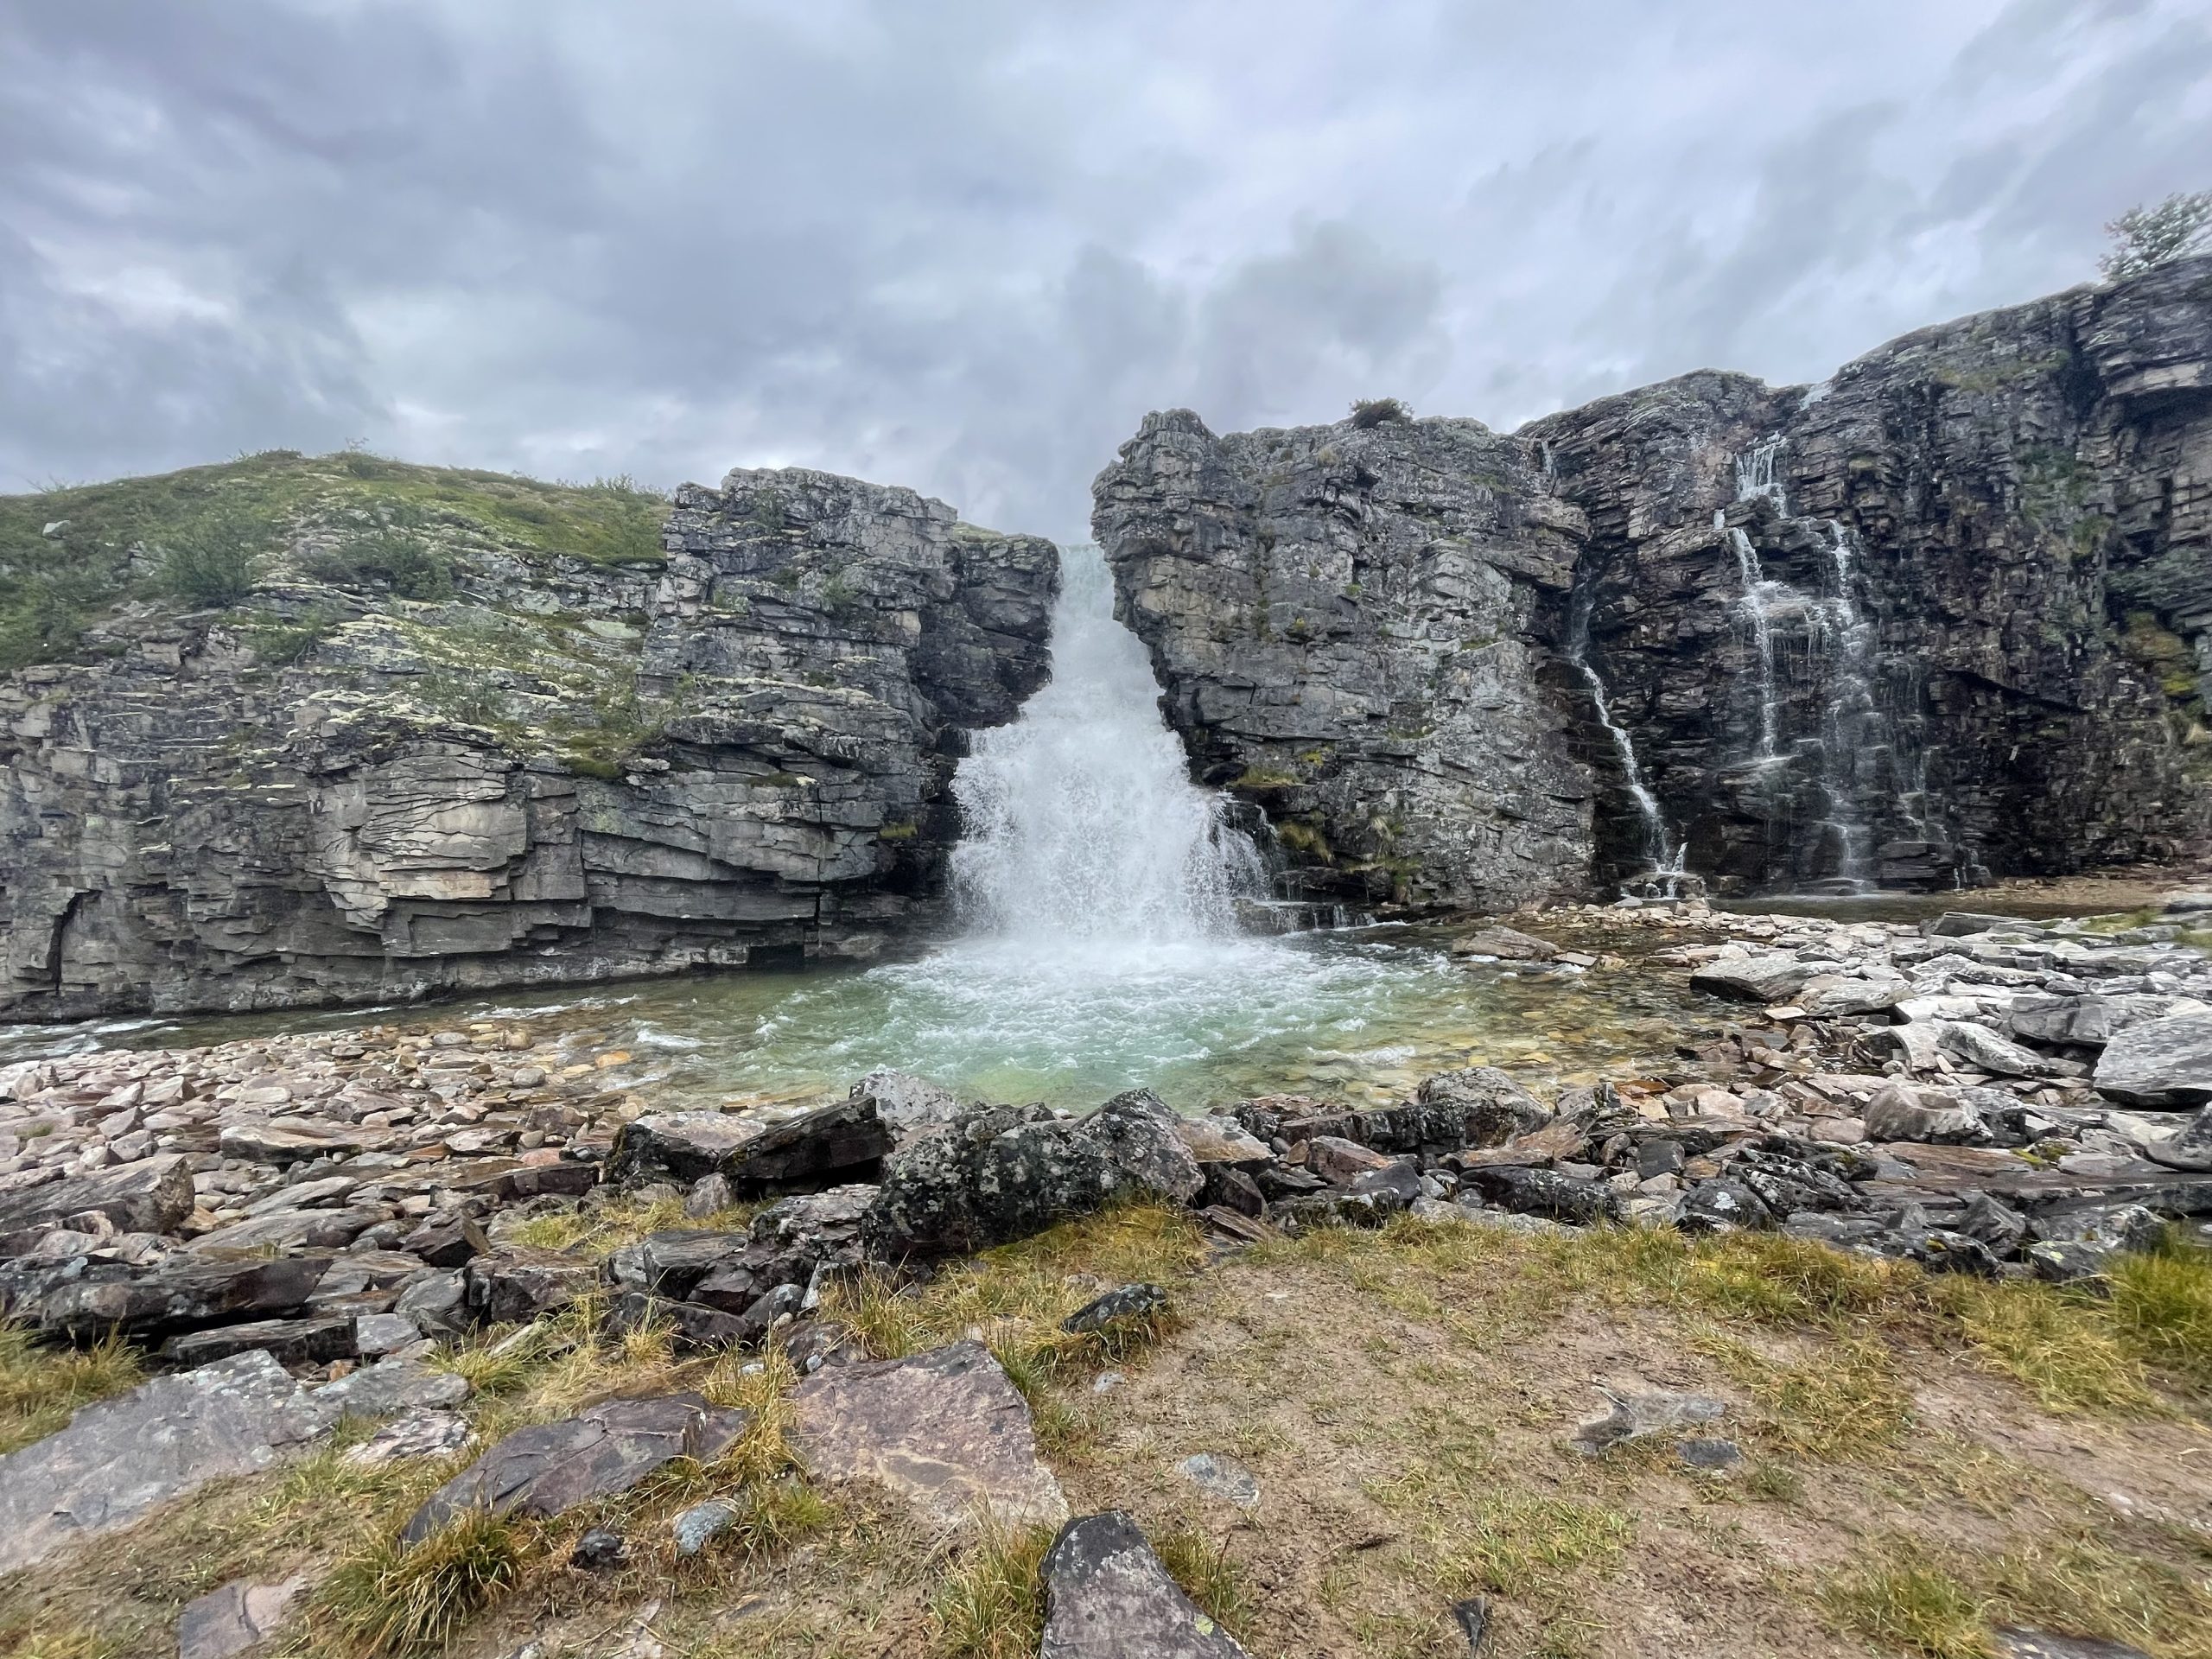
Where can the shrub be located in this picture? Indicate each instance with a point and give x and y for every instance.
(42, 622)
(215, 559)
(406, 565)
(2144, 238)
(1370, 412)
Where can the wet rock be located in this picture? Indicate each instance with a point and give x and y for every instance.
(1004, 1172)
(1222, 1477)
(2160, 1063)
(153, 1195)
(119, 1460)
(600, 1550)
(1546, 1193)
(1108, 1597)
(944, 1429)
(292, 1341)
(1635, 1415)
(701, 1524)
(394, 1384)
(226, 1621)
(546, 1469)
(1506, 944)
(419, 1434)
(1124, 1302)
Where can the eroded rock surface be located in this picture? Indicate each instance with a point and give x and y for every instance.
(1108, 1597)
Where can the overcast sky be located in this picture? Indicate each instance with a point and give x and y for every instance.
(965, 245)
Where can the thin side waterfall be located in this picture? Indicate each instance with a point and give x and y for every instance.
(1081, 822)
(1758, 607)
(1849, 717)
(1662, 859)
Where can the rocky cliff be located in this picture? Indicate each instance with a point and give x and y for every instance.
(547, 766)
(1948, 614)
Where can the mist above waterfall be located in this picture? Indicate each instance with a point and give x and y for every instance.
(1079, 820)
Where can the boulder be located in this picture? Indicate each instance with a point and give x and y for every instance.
(2188, 1148)
(446, 1240)
(119, 1460)
(2091, 1020)
(295, 1139)
(1898, 1112)
(1984, 1050)
(846, 1135)
(1768, 978)
(677, 1146)
(1106, 1596)
(1479, 1107)
(908, 1104)
(1506, 944)
(944, 1429)
(1340, 1162)
(288, 1231)
(394, 1384)
(1003, 1173)
(1546, 1193)
(551, 1467)
(1122, 1302)
(179, 1292)
(292, 1341)
(226, 1621)
(153, 1195)
(515, 1284)
(2160, 1063)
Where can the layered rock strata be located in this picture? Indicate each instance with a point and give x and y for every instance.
(564, 770)
(1948, 614)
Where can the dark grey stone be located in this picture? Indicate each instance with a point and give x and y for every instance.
(1108, 1597)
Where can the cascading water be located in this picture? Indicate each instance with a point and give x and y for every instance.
(1662, 859)
(1848, 713)
(1079, 822)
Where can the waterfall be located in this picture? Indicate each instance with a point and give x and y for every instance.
(1080, 820)
(1758, 607)
(1662, 859)
(1850, 721)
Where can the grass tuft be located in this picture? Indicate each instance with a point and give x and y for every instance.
(2161, 1305)
(991, 1602)
(41, 1388)
(391, 1598)
(1208, 1574)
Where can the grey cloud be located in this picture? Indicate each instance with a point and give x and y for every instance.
(966, 246)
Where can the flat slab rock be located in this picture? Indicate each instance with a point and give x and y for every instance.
(944, 1429)
(1108, 1597)
(120, 1459)
(551, 1467)
(230, 1620)
(151, 1196)
(2161, 1063)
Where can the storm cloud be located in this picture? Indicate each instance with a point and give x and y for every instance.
(966, 245)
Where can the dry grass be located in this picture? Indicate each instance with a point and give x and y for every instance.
(597, 1231)
(42, 1387)
(990, 1604)
(395, 1599)
(1891, 1594)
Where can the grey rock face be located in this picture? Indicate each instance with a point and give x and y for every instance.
(1003, 1173)
(120, 1459)
(551, 1467)
(1353, 624)
(743, 753)
(1108, 1597)
(2188, 1148)
(2159, 1063)
(1988, 553)
(944, 1429)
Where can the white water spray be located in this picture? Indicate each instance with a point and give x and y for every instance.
(1081, 823)
(1663, 859)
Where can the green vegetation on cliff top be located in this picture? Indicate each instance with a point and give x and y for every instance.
(198, 536)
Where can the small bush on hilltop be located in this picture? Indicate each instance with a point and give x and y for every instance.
(1368, 413)
(2144, 238)
(393, 559)
(215, 559)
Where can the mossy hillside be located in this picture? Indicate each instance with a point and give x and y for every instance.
(358, 522)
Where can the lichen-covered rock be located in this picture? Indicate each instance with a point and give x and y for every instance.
(567, 769)
(1004, 1171)
(2166, 1062)
(1106, 1596)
